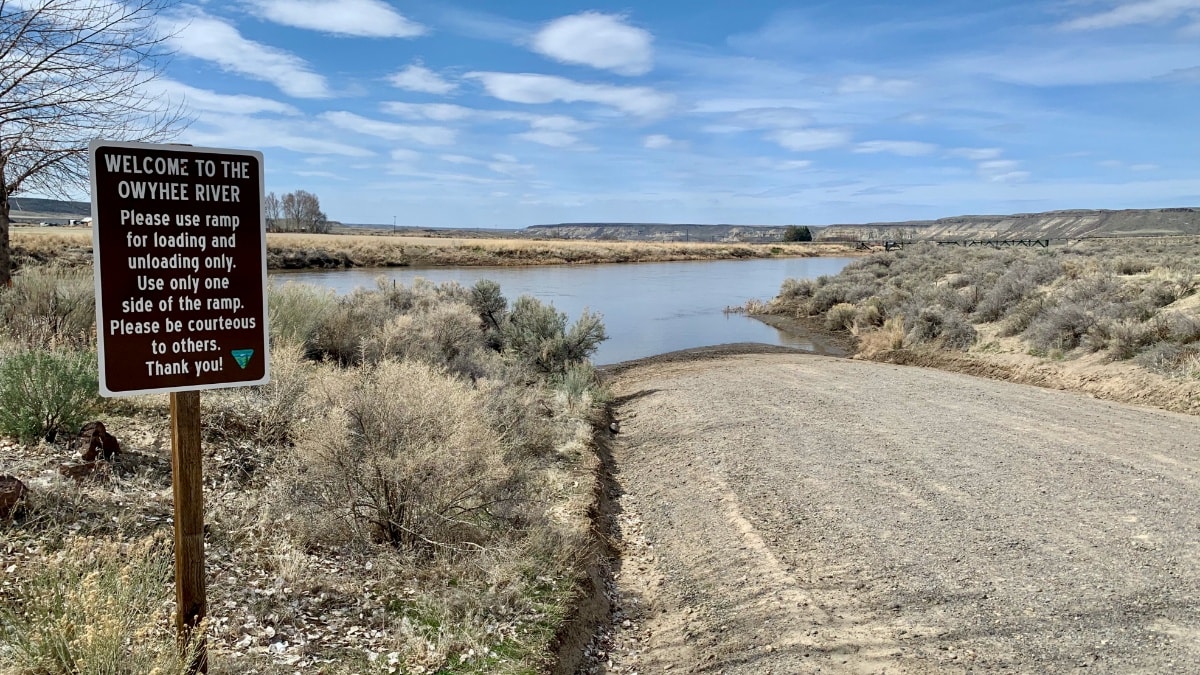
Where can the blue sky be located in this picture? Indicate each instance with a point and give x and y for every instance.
(488, 114)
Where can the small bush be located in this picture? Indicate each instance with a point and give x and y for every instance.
(871, 312)
(1060, 327)
(50, 307)
(295, 311)
(946, 328)
(404, 455)
(1169, 358)
(841, 316)
(537, 334)
(45, 392)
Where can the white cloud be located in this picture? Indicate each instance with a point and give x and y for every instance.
(869, 84)
(416, 77)
(976, 154)
(903, 148)
(1002, 171)
(405, 155)
(807, 140)
(1143, 167)
(223, 130)
(598, 40)
(438, 112)
(794, 164)
(202, 36)
(657, 142)
(732, 105)
(1134, 13)
(533, 88)
(554, 139)
(205, 99)
(363, 18)
(426, 135)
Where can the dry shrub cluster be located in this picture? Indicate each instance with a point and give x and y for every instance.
(1129, 299)
(408, 494)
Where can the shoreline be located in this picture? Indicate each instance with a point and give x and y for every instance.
(289, 251)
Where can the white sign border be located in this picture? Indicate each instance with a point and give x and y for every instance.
(97, 144)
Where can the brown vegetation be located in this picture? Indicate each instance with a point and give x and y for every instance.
(1119, 318)
(410, 493)
(301, 251)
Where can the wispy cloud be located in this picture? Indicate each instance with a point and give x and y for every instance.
(1134, 13)
(426, 135)
(535, 89)
(208, 100)
(663, 142)
(976, 154)
(902, 148)
(416, 77)
(361, 18)
(554, 139)
(1002, 171)
(808, 140)
(602, 41)
(205, 37)
(223, 130)
(870, 84)
(438, 112)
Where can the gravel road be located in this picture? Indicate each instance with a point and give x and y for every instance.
(789, 513)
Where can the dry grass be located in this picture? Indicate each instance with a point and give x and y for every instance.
(300, 251)
(421, 511)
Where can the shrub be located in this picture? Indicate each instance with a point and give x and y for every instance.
(489, 303)
(45, 392)
(537, 334)
(1169, 358)
(797, 233)
(266, 415)
(945, 327)
(841, 316)
(871, 312)
(446, 335)
(48, 307)
(403, 455)
(1060, 327)
(99, 609)
(295, 311)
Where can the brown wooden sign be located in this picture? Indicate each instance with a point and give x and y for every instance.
(181, 267)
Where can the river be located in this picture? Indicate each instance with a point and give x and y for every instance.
(648, 308)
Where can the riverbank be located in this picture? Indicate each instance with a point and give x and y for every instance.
(324, 251)
(1116, 320)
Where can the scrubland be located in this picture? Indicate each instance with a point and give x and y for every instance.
(1116, 318)
(302, 251)
(409, 494)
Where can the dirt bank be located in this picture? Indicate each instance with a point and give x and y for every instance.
(789, 513)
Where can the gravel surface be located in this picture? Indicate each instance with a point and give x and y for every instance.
(787, 513)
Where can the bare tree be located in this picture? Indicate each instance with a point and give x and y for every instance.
(274, 212)
(72, 71)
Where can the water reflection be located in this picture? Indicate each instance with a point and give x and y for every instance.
(648, 308)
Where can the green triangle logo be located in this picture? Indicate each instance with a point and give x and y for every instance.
(242, 356)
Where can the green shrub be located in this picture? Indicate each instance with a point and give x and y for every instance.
(45, 392)
(537, 334)
(489, 303)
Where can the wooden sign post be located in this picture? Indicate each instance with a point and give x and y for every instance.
(180, 258)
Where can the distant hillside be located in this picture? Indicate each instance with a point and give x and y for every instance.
(1071, 224)
(660, 232)
(1050, 225)
(33, 210)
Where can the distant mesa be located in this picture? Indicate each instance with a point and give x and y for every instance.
(1067, 224)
